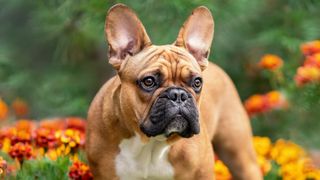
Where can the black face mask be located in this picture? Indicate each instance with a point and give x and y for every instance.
(174, 111)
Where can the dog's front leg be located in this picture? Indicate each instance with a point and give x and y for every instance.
(233, 142)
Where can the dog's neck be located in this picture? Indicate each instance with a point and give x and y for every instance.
(139, 160)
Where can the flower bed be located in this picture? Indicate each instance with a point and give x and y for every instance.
(36, 150)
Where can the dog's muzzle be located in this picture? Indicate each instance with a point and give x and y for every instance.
(174, 111)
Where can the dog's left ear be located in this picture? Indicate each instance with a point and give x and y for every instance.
(196, 35)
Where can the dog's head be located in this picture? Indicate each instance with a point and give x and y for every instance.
(160, 85)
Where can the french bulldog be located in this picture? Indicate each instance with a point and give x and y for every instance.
(166, 108)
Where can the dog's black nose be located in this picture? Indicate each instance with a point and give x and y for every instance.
(178, 95)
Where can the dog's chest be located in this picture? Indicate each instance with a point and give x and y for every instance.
(138, 160)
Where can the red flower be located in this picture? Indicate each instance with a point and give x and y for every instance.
(20, 136)
(310, 48)
(255, 104)
(313, 61)
(45, 138)
(80, 171)
(261, 103)
(21, 151)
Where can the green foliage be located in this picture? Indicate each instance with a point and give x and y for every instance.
(45, 168)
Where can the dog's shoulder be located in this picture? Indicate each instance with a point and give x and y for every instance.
(96, 106)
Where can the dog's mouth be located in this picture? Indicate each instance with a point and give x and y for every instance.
(180, 126)
(167, 117)
(177, 125)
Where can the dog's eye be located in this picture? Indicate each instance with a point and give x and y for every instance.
(197, 84)
(148, 83)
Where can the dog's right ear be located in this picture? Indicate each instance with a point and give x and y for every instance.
(125, 33)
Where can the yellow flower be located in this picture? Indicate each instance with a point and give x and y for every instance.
(264, 164)
(271, 62)
(70, 138)
(6, 145)
(285, 151)
(300, 169)
(63, 150)
(221, 171)
(262, 145)
(306, 74)
(52, 154)
(292, 170)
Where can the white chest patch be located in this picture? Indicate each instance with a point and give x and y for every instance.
(138, 160)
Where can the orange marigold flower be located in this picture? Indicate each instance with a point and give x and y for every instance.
(20, 136)
(306, 74)
(25, 125)
(75, 123)
(310, 48)
(271, 62)
(45, 138)
(255, 104)
(3, 110)
(20, 107)
(3, 166)
(21, 151)
(53, 124)
(80, 171)
(262, 103)
(313, 60)
(275, 99)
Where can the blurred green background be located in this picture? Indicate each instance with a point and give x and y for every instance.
(53, 53)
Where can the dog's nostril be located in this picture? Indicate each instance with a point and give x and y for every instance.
(174, 96)
(184, 96)
(178, 95)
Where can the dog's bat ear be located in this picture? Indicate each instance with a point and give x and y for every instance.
(125, 34)
(196, 35)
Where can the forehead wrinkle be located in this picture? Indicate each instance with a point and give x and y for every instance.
(146, 56)
(177, 66)
(167, 64)
(173, 65)
(183, 55)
